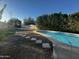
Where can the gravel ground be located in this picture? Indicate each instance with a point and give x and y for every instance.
(18, 47)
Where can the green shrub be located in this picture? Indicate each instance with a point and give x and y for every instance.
(5, 33)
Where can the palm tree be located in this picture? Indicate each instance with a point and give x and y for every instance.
(1, 11)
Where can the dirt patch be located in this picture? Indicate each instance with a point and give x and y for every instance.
(20, 47)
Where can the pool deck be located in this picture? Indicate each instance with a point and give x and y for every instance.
(25, 48)
(63, 51)
(60, 50)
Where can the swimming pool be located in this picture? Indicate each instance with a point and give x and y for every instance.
(62, 37)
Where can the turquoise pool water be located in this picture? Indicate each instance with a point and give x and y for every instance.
(63, 37)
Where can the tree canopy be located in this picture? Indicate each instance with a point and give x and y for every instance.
(1, 11)
(14, 22)
(29, 21)
(59, 22)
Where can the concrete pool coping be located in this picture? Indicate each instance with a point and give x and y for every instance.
(61, 45)
(77, 35)
(70, 42)
(55, 44)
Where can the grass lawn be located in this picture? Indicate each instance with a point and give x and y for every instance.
(5, 33)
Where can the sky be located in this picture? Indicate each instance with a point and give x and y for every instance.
(33, 8)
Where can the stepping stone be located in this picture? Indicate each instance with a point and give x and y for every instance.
(38, 41)
(23, 35)
(33, 39)
(27, 37)
(45, 45)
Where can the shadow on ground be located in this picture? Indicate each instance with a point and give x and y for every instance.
(16, 48)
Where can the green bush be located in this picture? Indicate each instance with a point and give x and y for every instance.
(5, 33)
(59, 22)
